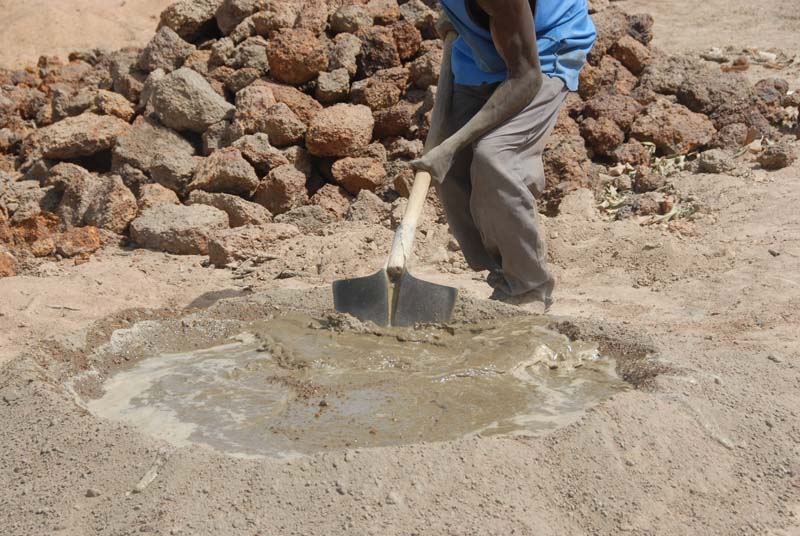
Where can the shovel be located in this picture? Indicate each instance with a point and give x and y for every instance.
(392, 296)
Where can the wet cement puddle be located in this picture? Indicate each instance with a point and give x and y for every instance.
(290, 387)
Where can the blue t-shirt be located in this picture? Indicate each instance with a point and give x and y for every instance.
(564, 35)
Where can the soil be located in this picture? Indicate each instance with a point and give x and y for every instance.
(710, 445)
(55, 28)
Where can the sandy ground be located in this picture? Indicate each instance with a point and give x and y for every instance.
(712, 447)
(32, 28)
(36, 27)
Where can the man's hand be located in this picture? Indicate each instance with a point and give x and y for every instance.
(437, 161)
(444, 25)
(439, 154)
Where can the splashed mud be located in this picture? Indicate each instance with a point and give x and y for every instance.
(294, 386)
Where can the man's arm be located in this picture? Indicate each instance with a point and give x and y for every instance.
(514, 35)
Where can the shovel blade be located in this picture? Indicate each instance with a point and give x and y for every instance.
(422, 302)
(366, 298)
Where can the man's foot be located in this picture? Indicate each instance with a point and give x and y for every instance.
(543, 295)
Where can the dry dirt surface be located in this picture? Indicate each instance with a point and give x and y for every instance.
(684, 25)
(709, 446)
(56, 27)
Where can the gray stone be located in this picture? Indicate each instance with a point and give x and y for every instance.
(368, 207)
(252, 54)
(184, 100)
(260, 153)
(777, 156)
(420, 15)
(225, 171)
(715, 161)
(251, 103)
(350, 19)
(165, 51)
(149, 86)
(240, 212)
(220, 135)
(174, 170)
(333, 86)
(153, 195)
(231, 12)
(178, 229)
(146, 140)
(113, 206)
(190, 18)
(308, 218)
(345, 52)
(68, 103)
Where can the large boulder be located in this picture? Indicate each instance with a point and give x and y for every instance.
(356, 174)
(777, 156)
(334, 199)
(165, 51)
(621, 109)
(350, 19)
(88, 199)
(178, 229)
(153, 195)
(378, 50)
(304, 106)
(296, 56)
(190, 18)
(673, 128)
(225, 171)
(146, 142)
(75, 137)
(602, 135)
(345, 52)
(240, 212)
(257, 150)
(340, 130)
(184, 100)
(283, 190)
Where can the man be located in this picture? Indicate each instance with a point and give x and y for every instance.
(512, 71)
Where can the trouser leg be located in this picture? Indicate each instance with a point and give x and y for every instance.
(506, 174)
(456, 190)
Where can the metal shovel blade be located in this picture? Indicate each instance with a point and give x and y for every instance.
(366, 298)
(408, 302)
(422, 302)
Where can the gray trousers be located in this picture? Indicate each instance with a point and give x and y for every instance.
(489, 195)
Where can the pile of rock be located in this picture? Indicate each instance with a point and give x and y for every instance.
(245, 113)
(636, 104)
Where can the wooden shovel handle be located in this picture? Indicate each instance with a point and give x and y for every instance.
(404, 236)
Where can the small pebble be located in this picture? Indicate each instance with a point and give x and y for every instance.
(92, 492)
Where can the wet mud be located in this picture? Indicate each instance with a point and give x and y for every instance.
(293, 385)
